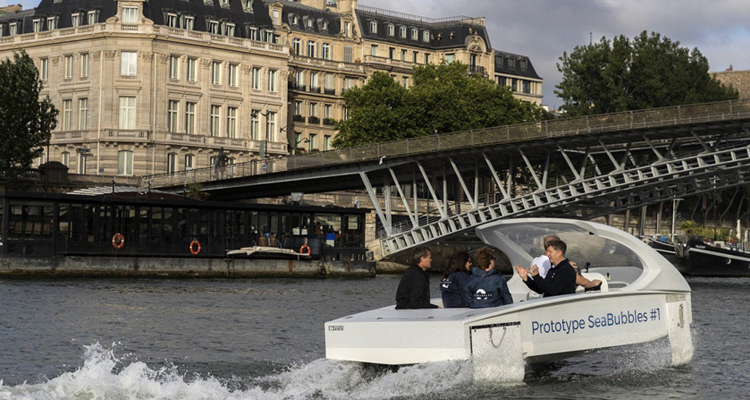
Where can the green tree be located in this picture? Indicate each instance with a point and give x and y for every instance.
(25, 120)
(645, 72)
(444, 98)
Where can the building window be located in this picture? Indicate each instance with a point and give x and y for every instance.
(426, 36)
(13, 29)
(501, 81)
(297, 107)
(414, 34)
(326, 142)
(511, 63)
(93, 17)
(229, 29)
(68, 67)
(191, 69)
(172, 110)
(313, 142)
(313, 109)
(83, 114)
(67, 114)
(188, 22)
(295, 20)
(349, 83)
(174, 67)
(327, 111)
(190, 118)
(124, 162)
(189, 162)
(272, 80)
(128, 63)
(391, 52)
(403, 55)
(231, 122)
(233, 77)
(271, 126)
(172, 20)
(329, 82)
(37, 25)
(171, 163)
(297, 46)
(404, 82)
(373, 50)
(51, 23)
(85, 65)
(299, 79)
(255, 124)
(324, 25)
(527, 87)
(402, 32)
(81, 164)
(348, 54)
(514, 85)
(310, 48)
(326, 51)
(373, 27)
(256, 78)
(522, 64)
(414, 59)
(213, 27)
(44, 69)
(254, 34)
(346, 113)
(216, 73)
(215, 124)
(130, 15)
(276, 17)
(450, 58)
(348, 29)
(127, 112)
(314, 85)
(426, 58)
(391, 30)
(65, 159)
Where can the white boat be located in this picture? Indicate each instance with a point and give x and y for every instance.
(644, 298)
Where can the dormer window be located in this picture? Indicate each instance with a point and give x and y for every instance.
(93, 17)
(308, 23)
(13, 28)
(188, 22)
(229, 29)
(37, 25)
(253, 33)
(522, 64)
(224, 3)
(402, 32)
(276, 16)
(373, 27)
(295, 20)
(348, 29)
(75, 19)
(172, 20)
(391, 30)
(414, 34)
(426, 36)
(130, 15)
(453, 35)
(52, 23)
(323, 24)
(247, 6)
(213, 27)
(511, 63)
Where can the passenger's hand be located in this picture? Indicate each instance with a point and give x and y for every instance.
(534, 270)
(522, 272)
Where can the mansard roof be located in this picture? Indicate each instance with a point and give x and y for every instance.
(510, 64)
(156, 10)
(445, 33)
(318, 17)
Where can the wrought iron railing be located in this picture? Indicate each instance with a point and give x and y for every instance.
(658, 117)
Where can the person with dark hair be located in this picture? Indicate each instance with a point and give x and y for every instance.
(560, 279)
(414, 289)
(486, 287)
(455, 276)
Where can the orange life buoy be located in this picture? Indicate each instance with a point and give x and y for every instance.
(118, 240)
(193, 249)
(305, 249)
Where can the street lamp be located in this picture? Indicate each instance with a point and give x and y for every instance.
(297, 142)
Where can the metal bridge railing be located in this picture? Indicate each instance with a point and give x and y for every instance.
(658, 117)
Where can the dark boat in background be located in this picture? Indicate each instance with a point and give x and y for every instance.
(698, 258)
(665, 248)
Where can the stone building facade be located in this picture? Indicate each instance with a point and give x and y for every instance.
(739, 80)
(155, 86)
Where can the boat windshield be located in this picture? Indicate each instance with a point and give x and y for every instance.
(582, 246)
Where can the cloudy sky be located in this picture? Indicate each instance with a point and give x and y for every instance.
(544, 29)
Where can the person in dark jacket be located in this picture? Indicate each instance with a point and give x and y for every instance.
(455, 276)
(486, 287)
(560, 279)
(414, 289)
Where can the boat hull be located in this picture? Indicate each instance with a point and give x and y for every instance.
(704, 260)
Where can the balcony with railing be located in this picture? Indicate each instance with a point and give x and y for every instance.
(329, 91)
(376, 62)
(477, 70)
(313, 120)
(227, 143)
(314, 89)
(298, 118)
(297, 86)
(329, 121)
(127, 135)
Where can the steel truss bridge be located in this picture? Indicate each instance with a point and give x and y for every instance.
(580, 167)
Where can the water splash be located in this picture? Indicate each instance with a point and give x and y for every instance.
(103, 377)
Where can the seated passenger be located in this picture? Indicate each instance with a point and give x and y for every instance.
(486, 287)
(414, 289)
(544, 266)
(454, 278)
(560, 279)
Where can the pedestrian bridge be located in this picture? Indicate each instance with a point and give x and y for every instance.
(583, 167)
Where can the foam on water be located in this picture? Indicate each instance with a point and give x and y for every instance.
(103, 376)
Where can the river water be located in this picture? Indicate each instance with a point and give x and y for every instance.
(263, 339)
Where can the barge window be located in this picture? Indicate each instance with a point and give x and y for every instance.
(87, 217)
(63, 222)
(168, 225)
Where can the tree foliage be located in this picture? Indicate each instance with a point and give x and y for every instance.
(25, 120)
(645, 72)
(444, 98)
